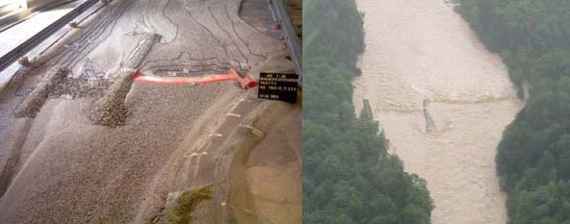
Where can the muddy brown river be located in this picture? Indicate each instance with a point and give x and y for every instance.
(423, 65)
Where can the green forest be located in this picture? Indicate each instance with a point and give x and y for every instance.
(533, 159)
(348, 175)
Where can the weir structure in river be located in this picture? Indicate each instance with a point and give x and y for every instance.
(442, 100)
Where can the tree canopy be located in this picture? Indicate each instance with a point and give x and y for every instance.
(348, 175)
(533, 160)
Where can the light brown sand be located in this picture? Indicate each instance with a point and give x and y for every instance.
(420, 50)
(77, 172)
(81, 173)
(265, 181)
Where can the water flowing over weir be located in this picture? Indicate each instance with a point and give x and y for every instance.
(422, 51)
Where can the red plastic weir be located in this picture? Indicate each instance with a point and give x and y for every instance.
(245, 82)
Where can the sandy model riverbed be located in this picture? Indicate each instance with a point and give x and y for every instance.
(422, 52)
(58, 167)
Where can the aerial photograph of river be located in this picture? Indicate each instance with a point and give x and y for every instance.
(443, 101)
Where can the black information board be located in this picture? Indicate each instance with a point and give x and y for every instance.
(278, 86)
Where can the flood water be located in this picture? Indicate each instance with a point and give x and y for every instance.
(423, 53)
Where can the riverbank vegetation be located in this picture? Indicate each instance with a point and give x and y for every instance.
(348, 175)
(533, 160)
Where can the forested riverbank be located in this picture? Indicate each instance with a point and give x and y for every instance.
(533, 160)
(348, 175)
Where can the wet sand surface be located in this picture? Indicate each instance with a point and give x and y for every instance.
(67, 170)
(443, 101)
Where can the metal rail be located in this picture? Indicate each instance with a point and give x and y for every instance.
(280, 15)
(22, 49)
(10, 19)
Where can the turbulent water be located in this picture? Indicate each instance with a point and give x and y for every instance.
(423, 63)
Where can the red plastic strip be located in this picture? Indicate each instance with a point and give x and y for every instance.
(246, 82)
